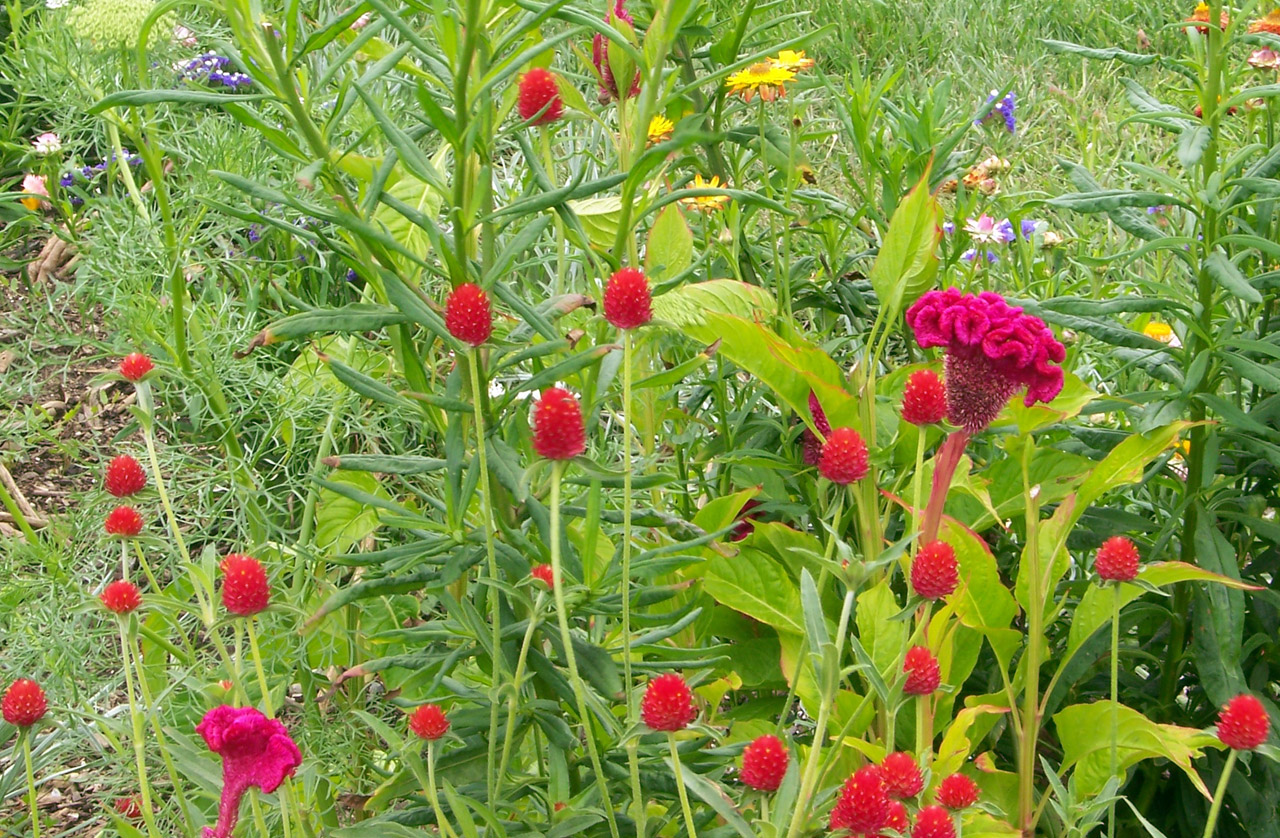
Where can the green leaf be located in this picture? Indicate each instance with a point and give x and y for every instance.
(982, 601)
(1125, 464)
(423, 199)
(1191, 145)
(714, 796)
(1085, 732)
(908, 258)
(757, 586)
(342, 522)
(670, 250)
(884, 638)
(1106, 200)
(1226, 274)
(599, 217)
(1107, 54)
(1217, 628)
(1264, 377)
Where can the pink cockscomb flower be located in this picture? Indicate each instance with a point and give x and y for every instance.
(600, 57)
(993, 350)
(255, 751)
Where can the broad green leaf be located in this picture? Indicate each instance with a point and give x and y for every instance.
(884, 638)
(423, 199)
(1085, 733)
(908, 258)
(599, 217)
(1226, 274)
(1066, 405)
(1191, 145)
(689, 305)
(1126, 463)
(342, 522)
(670, 249)
(1218, 619)
(956, 745)
(756, 585)
(982, 601)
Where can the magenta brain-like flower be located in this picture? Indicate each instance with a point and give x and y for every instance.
(255, 751)
(993, 350)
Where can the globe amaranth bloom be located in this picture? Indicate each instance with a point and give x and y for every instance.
(255, 751)
(993, 350)
(600, 58)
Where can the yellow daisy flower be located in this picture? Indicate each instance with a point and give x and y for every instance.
(706, 203)
(789, 59)
(660, 129)
(1156, 330)
(764, 78)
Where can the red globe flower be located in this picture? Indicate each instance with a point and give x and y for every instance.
(135, 367)
(429, 722)
(934, 572)
(863, 805)
(924, 401)
(123, 521)
(764, 763)
(467, 314)
(844, 457)
(901, 775)
(129, 808)
(923, 675)
(957, 791)
(933, 822)
(539, 97)
(245, 590)
(667, 704)
(627, 299)
(545, 574)
(1243, 724)
(897, 819)
(121, 597)
(125, 477)
(24, 703)
(1117, 560)
(558, 432)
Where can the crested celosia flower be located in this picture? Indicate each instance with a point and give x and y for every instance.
(24, 703)
(706, 203)
(764, 763)
(627, 299)
(600, 57)
(660, 129)
(134, 367)
(934, 572)
(245, 590)
(933, 822)
(863, 805)
(1268, 24)
(844, 457)
(901, 775)
(792, 60)
(811, 441)
(1117, 560)
(123, 521)
(924, 398)
(1003, 108)
(467, 314)
(957, 791)
(121, 597)
(255, 751)
(923, 675)
(34, 186)
(667, 704)
(539, 97)
(429, 722)
(47, 143)
(125, 476)
(765, 79)
(992, 351)
(544, 573)
(1243, 723)
(558, 432)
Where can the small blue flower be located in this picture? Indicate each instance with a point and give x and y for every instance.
(254, 233)
(1003, 108)
(948, 227)
(67, 179)
(972, 254)
(1028, 229)
(1004, 231)
(352, 276)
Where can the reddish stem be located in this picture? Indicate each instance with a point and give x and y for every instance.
(944, 468)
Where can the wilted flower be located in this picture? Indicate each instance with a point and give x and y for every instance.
(660, 129)
(1051, 239)
(1264, 59)
(184, 36)
(706, 203)
(34, 185)
(47, 143)
(792, 60)
(767, 79)
(600, 57)
(1002, 108)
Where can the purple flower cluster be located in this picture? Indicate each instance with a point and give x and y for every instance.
(1002, 108)
(212, 69)
(89, 173)
(987, 231)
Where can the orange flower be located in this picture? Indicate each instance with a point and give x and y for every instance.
(1269, 24)
(1201, 15)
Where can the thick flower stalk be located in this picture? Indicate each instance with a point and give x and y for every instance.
(255, 751)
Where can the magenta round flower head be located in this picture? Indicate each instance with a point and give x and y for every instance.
(600, 57)
(993, 350)
(255, 751)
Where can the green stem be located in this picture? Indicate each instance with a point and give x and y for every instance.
(139, 743)
(441, 821)
(113, 136)
(178, 541)
(149, 710)
(917, 483)
(633, 757)
(575, 678)
(684, 794)
(1035, 620)
(1220, 794)
(1115, 707)
(257, 666)
(514, 701)
(495, 605)
(18, 517)
(31, 782)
